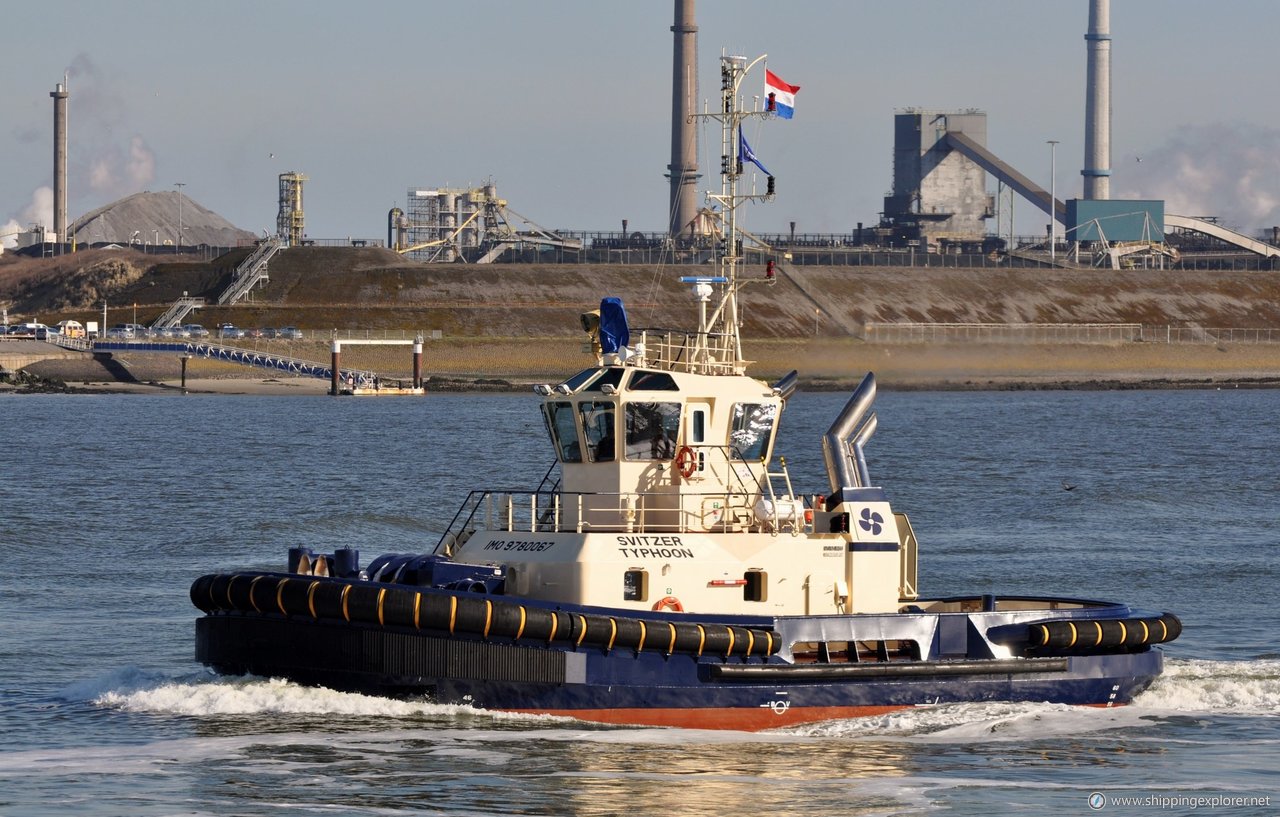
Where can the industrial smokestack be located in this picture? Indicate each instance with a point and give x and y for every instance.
(1097, 107)
(60, 95)
(683, 170)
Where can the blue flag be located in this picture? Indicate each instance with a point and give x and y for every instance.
(745, 154)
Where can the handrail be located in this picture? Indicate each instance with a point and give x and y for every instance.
(553, 511)
(250, 272)
(234, 354)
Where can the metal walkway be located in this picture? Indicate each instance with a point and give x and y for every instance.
(1222, 234)
(175, 314)
(1005, 172)
(251, 272)
(232, 354)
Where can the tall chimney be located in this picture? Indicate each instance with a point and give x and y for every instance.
(60, 95)
(1097, 106)
(683, 170)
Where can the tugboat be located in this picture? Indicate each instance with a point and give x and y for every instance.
(666, 572)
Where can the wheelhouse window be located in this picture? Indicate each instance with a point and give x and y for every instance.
(611, 377)
(652, 429)
(563, 430)
(597, 430)
(652, 381)
(752, 429)
(574, 383)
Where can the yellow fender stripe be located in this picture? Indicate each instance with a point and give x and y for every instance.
(1044, 635)
(231, 581)
(613, 632)
(1146, 632)
(582, 634)
(671, 648)
(643, 632)
(1164, 631)
(417, 608)
(702, 639)
(768, 650)
(488, 616)
(1124, 632)
(1098, 624)
(453, 612)
(382, 594)
(751, 642)
(311, 599)
(280, 596)
(555, 622)
(523, 620)
(346, 613)
(729, 651)
(1074, 634)
(252, 585)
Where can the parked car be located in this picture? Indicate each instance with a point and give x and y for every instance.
(45, 332)
(269, 332)
(253, 333)
(291, 333)
(121, 331)
(195, 330)
(229, 331)
(26, 330)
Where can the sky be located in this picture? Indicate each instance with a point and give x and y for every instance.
(565, 104)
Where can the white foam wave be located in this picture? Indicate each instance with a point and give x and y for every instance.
(974, 722)
(1187, 686)
(1215, 687)
(204, 695)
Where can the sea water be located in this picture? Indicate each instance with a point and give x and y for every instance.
(110, 505)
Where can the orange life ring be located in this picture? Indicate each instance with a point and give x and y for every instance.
(686, 461)
(669, 603)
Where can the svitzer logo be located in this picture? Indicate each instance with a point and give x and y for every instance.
(871, 522)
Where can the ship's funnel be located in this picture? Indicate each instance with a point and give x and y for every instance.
(683, 170)
(842, 447)
(1097, 106)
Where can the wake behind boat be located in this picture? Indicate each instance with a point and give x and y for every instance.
(666, 571)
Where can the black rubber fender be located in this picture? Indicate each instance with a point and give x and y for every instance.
(467, 613)
(1084, 635)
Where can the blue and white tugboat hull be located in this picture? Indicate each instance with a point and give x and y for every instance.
(669, 669)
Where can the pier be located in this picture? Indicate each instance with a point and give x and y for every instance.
(18, 354)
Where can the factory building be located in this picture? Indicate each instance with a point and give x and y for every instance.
(439, 223)
(939, 197)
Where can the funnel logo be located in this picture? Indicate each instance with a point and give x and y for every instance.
(871, 521)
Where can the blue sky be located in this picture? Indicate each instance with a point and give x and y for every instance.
(565, 104)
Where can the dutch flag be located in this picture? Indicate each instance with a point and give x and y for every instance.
(780, 98)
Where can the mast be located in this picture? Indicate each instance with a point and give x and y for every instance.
(719, 339)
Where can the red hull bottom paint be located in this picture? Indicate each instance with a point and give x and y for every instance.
(729, 718)
(735, 718)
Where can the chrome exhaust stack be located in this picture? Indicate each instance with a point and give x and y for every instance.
(842, 444)
(785, 387)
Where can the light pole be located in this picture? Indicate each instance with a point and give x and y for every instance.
(1053, 200)
(181, 185)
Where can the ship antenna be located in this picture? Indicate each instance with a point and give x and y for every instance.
(719, 340)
